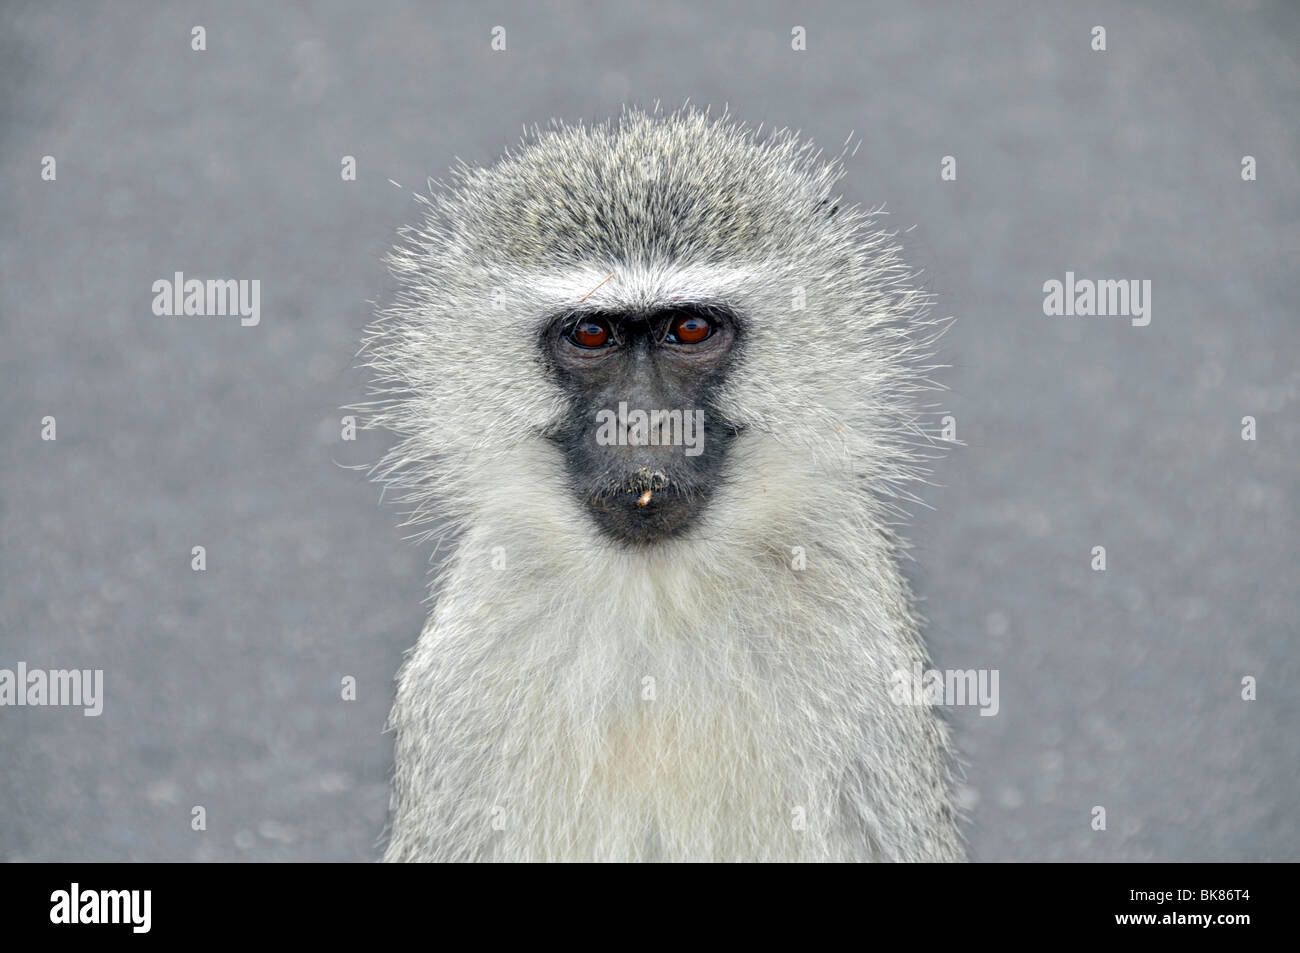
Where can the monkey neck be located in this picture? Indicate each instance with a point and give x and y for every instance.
(683, 702)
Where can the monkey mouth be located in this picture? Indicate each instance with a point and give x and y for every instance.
(648, 482)
(645, 509)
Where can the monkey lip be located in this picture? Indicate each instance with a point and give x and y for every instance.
(645, 510)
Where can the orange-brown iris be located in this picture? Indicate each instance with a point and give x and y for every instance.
(591, 334)
(691, 329)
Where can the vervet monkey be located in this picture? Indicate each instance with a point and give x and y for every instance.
(649, 644)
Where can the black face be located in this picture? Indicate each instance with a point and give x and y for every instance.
(643, 443)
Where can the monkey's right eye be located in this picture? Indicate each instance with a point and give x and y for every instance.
(590, 334)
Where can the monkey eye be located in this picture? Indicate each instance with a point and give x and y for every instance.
(689, 329)
(590, 333)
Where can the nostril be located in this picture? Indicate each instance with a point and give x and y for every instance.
(646, 479)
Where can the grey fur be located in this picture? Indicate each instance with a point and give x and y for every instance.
(524, 726)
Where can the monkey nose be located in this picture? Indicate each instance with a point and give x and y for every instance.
(648, 481)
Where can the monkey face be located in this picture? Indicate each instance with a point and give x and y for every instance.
(643, 441)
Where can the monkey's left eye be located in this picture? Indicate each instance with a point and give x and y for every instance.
(689, 329)
(590, 334)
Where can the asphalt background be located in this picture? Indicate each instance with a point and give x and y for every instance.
(1119, 689)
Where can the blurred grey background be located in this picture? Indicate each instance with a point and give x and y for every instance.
(1119, 689)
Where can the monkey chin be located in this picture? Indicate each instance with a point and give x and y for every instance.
(639, 516)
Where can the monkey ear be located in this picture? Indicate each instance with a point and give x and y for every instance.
(829, 212)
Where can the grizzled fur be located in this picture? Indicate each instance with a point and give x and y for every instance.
(722, 695)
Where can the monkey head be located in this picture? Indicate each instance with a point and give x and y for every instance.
(658, 329)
